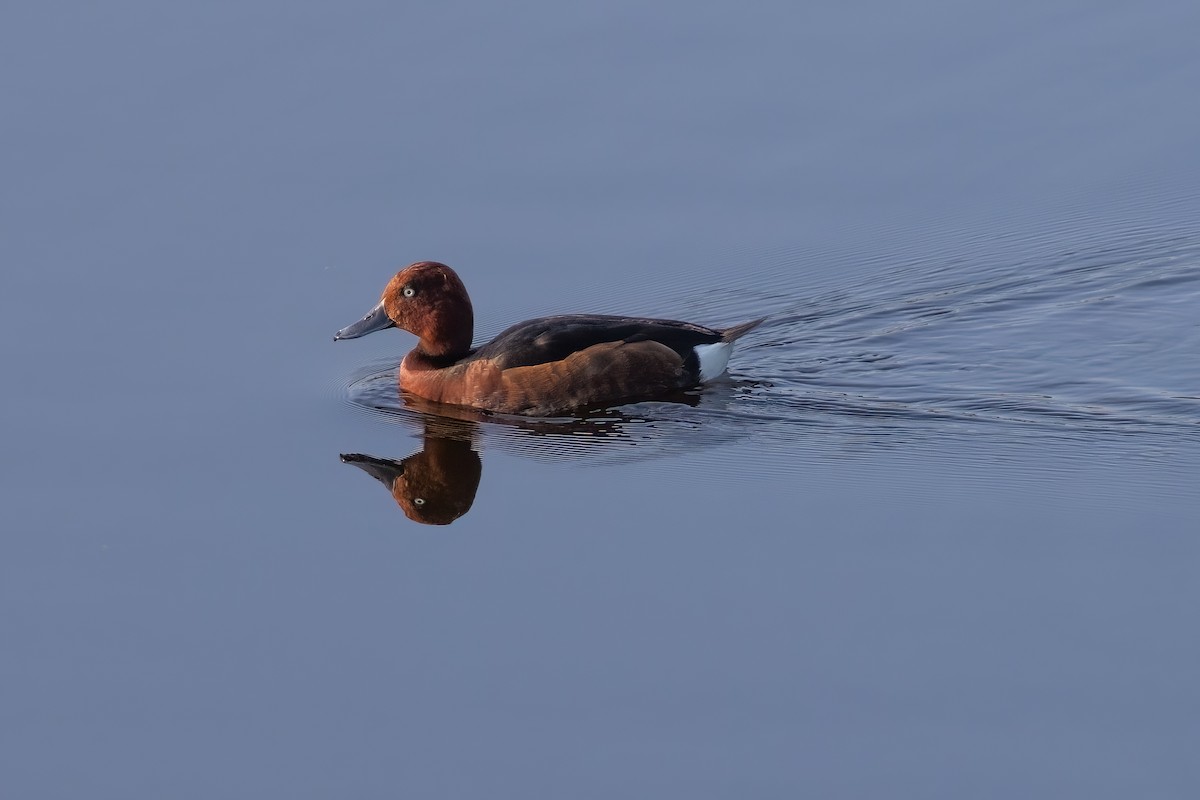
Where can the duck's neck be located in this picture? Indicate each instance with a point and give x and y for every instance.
(447, 339)
(419, 360)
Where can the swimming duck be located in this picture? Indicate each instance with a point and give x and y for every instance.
(541, 367)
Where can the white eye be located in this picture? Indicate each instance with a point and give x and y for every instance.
(418, 501)
(409, 291)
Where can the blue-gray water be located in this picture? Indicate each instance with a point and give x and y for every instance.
(936, 535)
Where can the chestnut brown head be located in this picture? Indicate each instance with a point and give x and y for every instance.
(427, 299)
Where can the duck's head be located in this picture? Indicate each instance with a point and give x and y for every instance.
(426, 299)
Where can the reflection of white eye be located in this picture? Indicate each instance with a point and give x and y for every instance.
(409, 291)
(418, 501)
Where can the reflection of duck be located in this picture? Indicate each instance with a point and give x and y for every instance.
(541, 367)
(435, 486)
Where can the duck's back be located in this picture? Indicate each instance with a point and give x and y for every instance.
(548, 339)
(558, 364)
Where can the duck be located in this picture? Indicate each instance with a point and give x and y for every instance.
(549, 366)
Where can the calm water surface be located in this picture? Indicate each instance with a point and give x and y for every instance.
(935, 534)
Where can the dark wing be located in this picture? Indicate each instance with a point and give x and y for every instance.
(548, 339)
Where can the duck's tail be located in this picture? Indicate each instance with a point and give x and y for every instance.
(738, 331)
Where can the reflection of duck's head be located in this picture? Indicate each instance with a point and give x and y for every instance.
(435, 486)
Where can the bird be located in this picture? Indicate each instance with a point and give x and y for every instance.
(549, 366)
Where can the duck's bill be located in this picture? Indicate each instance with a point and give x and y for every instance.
(384, 470)
(375, 320)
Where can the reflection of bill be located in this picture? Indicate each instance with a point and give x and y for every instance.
(435, 486)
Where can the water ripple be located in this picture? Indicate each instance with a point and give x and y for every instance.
(1098, 345)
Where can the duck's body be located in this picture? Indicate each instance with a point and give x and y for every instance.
(545, 366)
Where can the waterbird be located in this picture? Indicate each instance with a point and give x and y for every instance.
(547, 366)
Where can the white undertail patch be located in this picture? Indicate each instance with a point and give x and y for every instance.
(713, 358)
